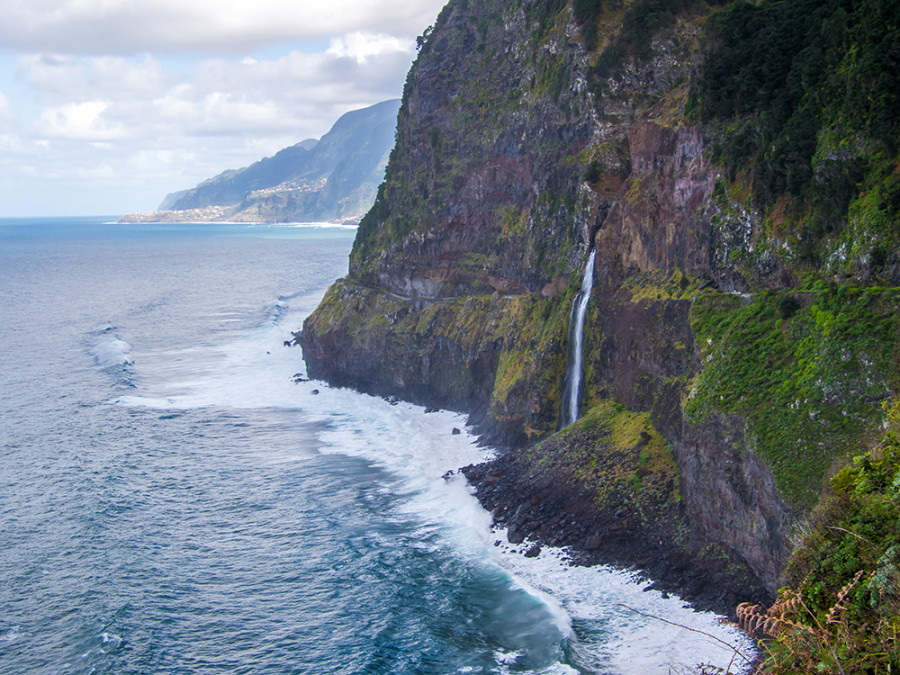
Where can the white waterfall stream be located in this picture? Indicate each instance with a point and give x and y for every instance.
(574, 373)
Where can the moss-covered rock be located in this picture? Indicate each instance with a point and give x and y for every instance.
(807, 369)
(499, 357)
(608, 487)
(841, 601)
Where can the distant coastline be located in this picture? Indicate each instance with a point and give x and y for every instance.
(213, 214)
(333, 179)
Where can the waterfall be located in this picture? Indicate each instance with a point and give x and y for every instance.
(574, 374)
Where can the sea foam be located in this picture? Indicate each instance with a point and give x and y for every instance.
(110, 352)
(603, 614)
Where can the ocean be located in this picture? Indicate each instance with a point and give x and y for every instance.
(175, 498)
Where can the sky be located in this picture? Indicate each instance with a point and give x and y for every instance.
(106, 106)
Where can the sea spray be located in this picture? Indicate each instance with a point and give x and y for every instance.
(224, 516)
(542, 604)
(574, 372)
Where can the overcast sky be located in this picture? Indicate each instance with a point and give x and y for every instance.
(108, 105)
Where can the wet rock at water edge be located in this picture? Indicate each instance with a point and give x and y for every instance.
(533, 552)
(515, 535)
(593, 542)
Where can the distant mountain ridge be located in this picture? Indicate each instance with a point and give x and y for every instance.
(332, 179)
(231, 186)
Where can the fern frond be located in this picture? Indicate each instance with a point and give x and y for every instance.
(832, 616)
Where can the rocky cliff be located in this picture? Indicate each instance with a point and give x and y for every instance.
(737, 348)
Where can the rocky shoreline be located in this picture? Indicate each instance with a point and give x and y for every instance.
(533, 505)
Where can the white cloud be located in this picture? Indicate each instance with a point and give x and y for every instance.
(298, 92)
(56, 78)
(118, 102)
(225, 26)
(6, 110)
(233, 113)
(105, 172)
(10, 143)
(150, 161)
(360, 46)
(78, 121)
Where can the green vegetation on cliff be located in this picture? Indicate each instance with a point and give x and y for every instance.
(806, 369)
(804, 94)
(492, 125)
(840, 612)
(501, 355)
(619, 458)
(640, 21)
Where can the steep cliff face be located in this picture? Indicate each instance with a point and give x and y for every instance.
(480, 221)
(482, 193)
(664, 218)
(491, 190)
(496, 357)
(529, 133)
